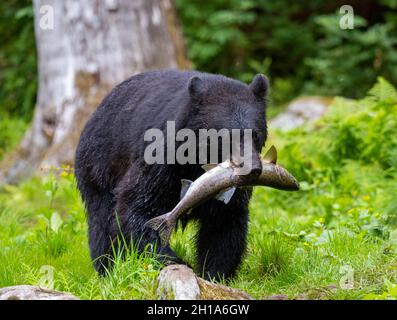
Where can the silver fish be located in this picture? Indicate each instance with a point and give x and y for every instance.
(220, 181)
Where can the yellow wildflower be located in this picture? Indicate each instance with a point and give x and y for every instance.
(64, 174)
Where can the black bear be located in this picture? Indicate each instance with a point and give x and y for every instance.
(122, 192)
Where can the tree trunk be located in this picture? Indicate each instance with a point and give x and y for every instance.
(92, 46)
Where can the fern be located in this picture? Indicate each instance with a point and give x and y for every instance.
(384, 91)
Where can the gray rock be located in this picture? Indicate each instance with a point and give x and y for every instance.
(300, 111)
(25, 292)
(178, 282)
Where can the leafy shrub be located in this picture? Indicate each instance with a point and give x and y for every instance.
(348, 61)
(18, 77)
(299, 44)
(347, 161)
(242, 38)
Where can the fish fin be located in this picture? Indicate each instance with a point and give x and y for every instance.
(271, 155)
(185, 186)
(163, 225)
(208, 166)
(226, 195)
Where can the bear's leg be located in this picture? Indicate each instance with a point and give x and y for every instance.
(100, 207)
(221, 239)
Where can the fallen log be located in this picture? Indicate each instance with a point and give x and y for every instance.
(178, 282)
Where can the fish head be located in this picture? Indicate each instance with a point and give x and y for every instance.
(289, 181)
(276, 176)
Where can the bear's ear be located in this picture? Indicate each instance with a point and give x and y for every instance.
(197, 88)
(259, 85)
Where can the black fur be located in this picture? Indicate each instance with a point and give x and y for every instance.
(114, 179)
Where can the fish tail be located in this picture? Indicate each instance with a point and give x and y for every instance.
(164, 225)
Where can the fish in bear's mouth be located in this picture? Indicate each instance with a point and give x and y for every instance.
(219, 182)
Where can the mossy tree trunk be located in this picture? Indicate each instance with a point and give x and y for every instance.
(92, 46)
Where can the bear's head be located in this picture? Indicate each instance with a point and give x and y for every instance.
(220, 103)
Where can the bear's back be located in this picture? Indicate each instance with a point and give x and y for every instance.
(115, 131)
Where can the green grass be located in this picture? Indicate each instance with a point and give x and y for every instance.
(342, 224)
(11, 132)
(44, 225)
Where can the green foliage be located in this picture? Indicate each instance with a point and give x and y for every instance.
(299, 243)
(348, 61)
(390, 293)
(299, 44)
(48, 228)
(242, 38)
(18, 76)
(11, 131)
(351, 157)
